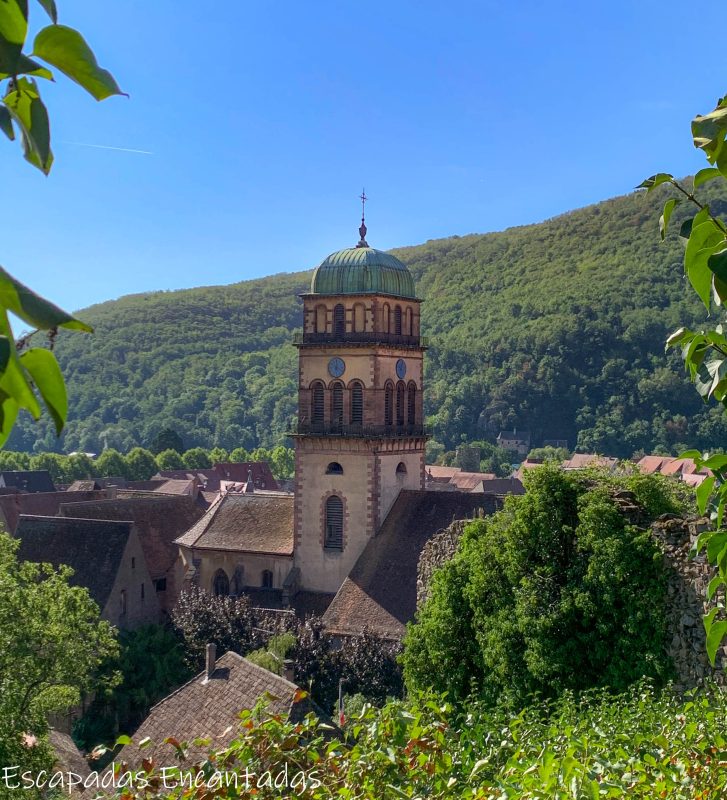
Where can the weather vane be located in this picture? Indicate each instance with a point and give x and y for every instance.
(362, 229)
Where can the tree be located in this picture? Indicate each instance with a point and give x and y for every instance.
(239, 455)
(52, 642)
(556, 454)
(169, 460)
(282, 462)
(56, 464)
(218, 455)
(140, 464)
(704, 350)
(80, 467)
(557, 591)
(166, 439)
(27, 371)
(110, 464)
(197, 458)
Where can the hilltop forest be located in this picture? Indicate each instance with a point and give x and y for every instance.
(557, 328)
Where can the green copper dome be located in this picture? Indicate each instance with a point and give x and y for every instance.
(362, 270)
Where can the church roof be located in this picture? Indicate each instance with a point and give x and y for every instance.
(363, 270)
(380, 592)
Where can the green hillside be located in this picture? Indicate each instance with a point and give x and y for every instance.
(556, 327)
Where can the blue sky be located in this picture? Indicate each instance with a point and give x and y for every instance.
(264, 120)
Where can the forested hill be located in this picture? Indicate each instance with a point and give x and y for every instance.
(557, 328)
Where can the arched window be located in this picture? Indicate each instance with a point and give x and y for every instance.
(334, 523)
(359, 318)
(356, 404)
(386, 318)
(407, 321)
(400, 391)
(221, 584)
(267, 579)
(317, 403)
(411, 403)
(334, 468)
(321, 319)
(389, 404)
(397, 320)
(238, 581)
(339, 320)
(400, 469)
(337, 405)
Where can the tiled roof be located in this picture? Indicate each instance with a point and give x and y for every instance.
(683, 466)
(38, 480)
(437, 473)
(93, 548)
(651, 464)
(39, 504)
(466, 481)
(503, 486)
(159, 520)
(84, 486)
(380, 592)
(252, 523)
(583, 460)
(209, 709)
(209, 479)
(70, 759)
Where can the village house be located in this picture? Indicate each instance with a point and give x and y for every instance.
(514, 441)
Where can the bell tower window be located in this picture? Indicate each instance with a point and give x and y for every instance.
(320, 319)
(337, 405)
(400, 404)
(389, 404)
(397, 320)
(317, 404)
(411, 403)
(339, 321)
(357, 404)
(334, 523)
(386, 318)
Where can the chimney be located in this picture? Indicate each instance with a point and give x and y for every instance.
(289, 670)
(111, 492)
(211, 660)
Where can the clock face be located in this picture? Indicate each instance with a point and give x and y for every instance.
(336, 367)
(401, 368)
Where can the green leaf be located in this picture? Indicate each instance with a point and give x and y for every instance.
(693, 454)
(6, 123)
(717, 263)
(6, 349)
(714, 584)
(13, 30)
(704, 175)
(655, 180)
(704, 490)
(678, 336)
(26, 66)
(8, 414)
(708, 131)
(715, 633)
(48, 378)
(715, 545)
(704, 240)
(32, 308)
(28, 111)
(718, 461)
(669, 207)
(50, 9)
(67, 50)
(123, 740)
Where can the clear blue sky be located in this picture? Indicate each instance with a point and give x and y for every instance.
(265, 119)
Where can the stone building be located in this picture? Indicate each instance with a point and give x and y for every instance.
(360, 437)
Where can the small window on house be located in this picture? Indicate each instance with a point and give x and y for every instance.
(334, 468)
(400, 469)
(221, 584)
(267, 579)
(122, 603)
(334, 523)
(160, 584)
(142, 592)
(133, 562)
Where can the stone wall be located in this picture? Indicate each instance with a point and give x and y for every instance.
(687, 581)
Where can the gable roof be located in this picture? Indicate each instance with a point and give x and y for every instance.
(39, 504)
(466, 481)
(38, 480)
(84, 486)
(93, 548)
(380, 592)
(503, 486)
(583, 460)
(159, 520)
(210, 709)
(251, 523)
(236, 471)
(651, 464)
(436, 473)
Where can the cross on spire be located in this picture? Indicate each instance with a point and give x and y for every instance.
(362, 229)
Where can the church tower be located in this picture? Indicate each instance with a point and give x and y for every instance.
(360, 437)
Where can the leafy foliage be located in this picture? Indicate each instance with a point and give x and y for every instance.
(642, 745)
(554, 328)
(555, 592)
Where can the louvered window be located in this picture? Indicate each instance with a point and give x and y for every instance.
(397, 320)
(400, 404)
(339, 320)
(334, 523)
(357, 404)
(317, 410)
(337, 405)
(412, 404)
(389, 404)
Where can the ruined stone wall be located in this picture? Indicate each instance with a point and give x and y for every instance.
(687, 581)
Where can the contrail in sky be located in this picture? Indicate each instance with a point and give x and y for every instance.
(109, 147)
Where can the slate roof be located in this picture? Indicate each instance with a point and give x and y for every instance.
(251, 523)
(159, 520)
(210, 709)
(38, 480)
(39, 504)
(503, 486)
(380, 591)
(93, 548)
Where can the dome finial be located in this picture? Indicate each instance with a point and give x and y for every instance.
(362, 229)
